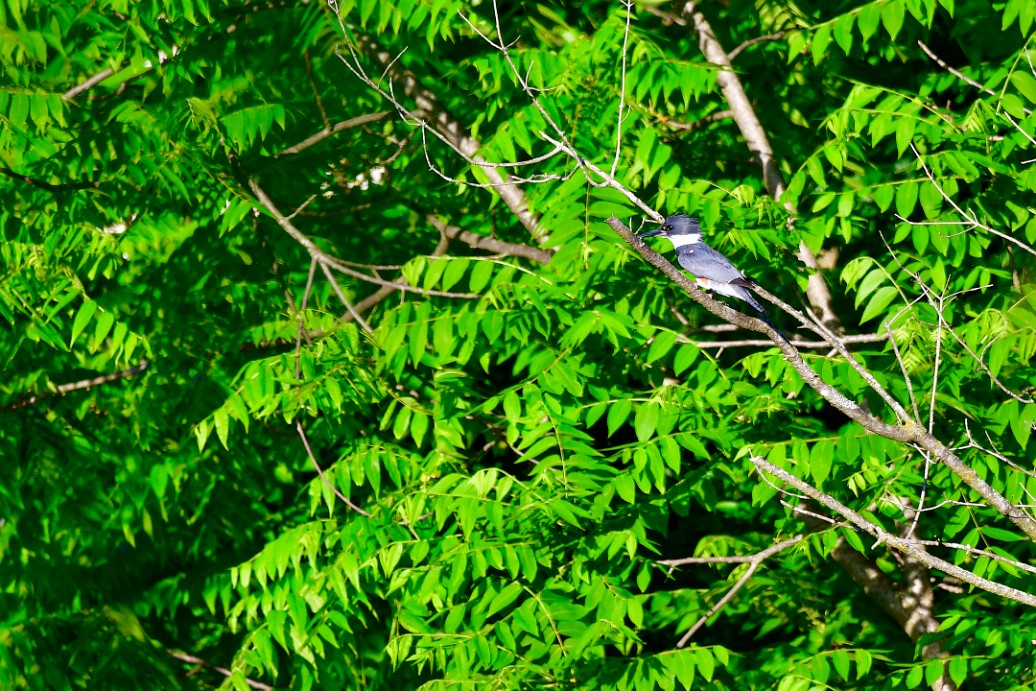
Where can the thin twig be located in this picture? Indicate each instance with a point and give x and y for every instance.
(622, 89)
(753, 41)
(216, 668)
(956, 73)
(62, 389)
(332, 130)
(320, 471)
(88, 84)
(332, 262)
(345, 301)
(972, 219)
(491, 244)
(685, 127)
(301, 319)
(754, 562)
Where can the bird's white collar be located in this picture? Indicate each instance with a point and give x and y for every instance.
(683, 240)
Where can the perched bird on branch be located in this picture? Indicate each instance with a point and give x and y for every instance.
(711, 269)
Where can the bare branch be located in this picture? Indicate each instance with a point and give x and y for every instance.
(745, 559)
(446, 127)
(956, 73)
(970, 218)
(320, 472)
(88, 84)
(753, 561)
(345, 301)
(62, 389)
(606, 180)
(685, 127)
(332, 130)
(839, 345)
(800, 344)
(904, 546)
(329, 261)
(622, 89)
(491, 244)
(754, 41)
(216, 668)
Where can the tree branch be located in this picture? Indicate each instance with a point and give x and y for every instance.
(490, 244)
(754, 562)
(62, 389)
(907, 547)
(222, 670)
(327, 260)
(88, 84)
(428, 108)
(332, 130)
(753, 41)
(798, 343)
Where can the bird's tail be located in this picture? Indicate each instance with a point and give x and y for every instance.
(765, 320)
(750, 299)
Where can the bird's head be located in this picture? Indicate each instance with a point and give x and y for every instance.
(680, 229)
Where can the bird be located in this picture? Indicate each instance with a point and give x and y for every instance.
(710, 268)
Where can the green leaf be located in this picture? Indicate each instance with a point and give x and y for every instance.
(618, 413)
(883, 297)
(646, 420)
(892, 14)
(843, 32)
(706, 663)
(869, 18)
(906, 199)
(480, 275)
(821, 458)
(83, 317)
(455, 271)
(102, 325)
(401, 425)
(221, 422)
(504, 598)
(662, 344)
(819, 41)
(1026, 85)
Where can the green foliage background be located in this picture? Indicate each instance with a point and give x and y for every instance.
(529, 452)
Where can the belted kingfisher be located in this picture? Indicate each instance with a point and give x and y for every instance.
(711, 269)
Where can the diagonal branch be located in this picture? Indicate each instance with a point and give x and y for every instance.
(754, 562)
(194, 660)
(427, 108)
(327, 260)
(332, 130)
(901, 545)
(62, 389)
(490, 244)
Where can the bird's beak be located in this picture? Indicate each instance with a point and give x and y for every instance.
(651, 233)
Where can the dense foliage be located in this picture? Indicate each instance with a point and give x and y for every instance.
(228, 260)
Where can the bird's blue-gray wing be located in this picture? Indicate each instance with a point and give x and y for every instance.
(705, 262)
(716, 273)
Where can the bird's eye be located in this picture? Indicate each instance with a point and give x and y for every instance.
(667, 227)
